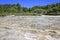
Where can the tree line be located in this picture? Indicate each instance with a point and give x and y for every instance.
(16, 9)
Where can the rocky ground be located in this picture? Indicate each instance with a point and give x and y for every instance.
(30, 28)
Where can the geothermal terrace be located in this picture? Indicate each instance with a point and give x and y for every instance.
(30, 28)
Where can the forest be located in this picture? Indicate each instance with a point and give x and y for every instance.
(17, 9)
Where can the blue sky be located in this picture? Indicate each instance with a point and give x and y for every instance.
(29, 3)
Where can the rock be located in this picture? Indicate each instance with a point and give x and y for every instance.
(29, 28)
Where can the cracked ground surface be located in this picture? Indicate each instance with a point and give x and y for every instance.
(29, 28)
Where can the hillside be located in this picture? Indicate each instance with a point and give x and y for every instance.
(16, 9)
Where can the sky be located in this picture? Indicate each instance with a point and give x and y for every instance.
(30, 3)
